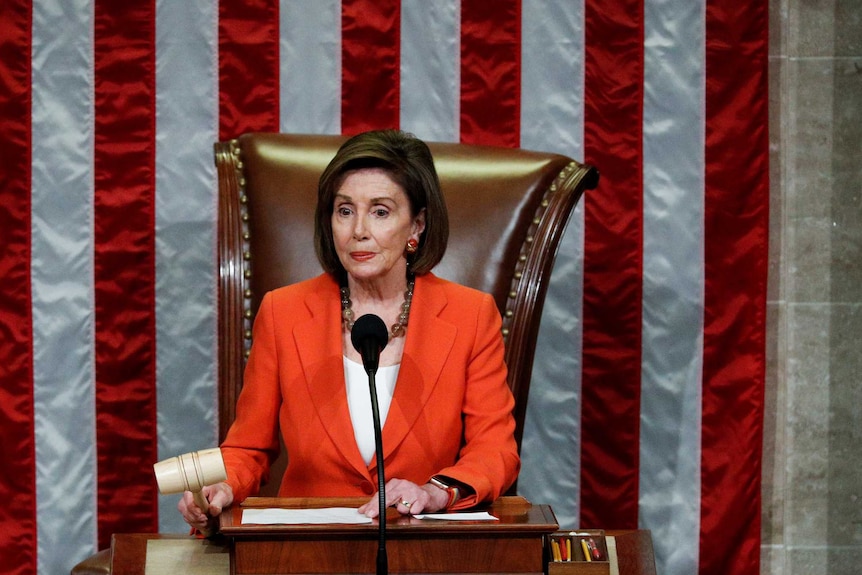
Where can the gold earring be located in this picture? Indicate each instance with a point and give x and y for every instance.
(412, 246)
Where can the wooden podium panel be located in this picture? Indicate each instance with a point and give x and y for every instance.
(513, 544)
(516, 543)
(634, 552)
(129, 553)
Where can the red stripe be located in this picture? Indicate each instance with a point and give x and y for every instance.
(613, 114)
(370, 65)
(248, 67)
(736, 222)
(124, 230)
(491, 72)
(17, 448)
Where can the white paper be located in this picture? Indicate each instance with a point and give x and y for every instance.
(475, 516)
(278, 516)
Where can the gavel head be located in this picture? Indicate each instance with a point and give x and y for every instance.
(190, 471)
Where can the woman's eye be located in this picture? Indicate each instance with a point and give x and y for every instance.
(343, 211)
(381, 212)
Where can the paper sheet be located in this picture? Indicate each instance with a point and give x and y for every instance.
(278, 516)
(475, 516)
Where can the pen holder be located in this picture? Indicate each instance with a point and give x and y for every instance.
(581, 552)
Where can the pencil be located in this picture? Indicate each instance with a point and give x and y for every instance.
(586, 549)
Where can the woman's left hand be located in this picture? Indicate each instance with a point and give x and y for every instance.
(408, 498)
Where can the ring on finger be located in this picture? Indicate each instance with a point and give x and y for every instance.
(406, 503)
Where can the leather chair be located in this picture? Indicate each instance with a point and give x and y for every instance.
(508, 209)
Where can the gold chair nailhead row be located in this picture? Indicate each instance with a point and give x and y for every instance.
(528, 244)
(246, 248)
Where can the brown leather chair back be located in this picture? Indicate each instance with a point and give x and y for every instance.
(507, 213)
(508, 209)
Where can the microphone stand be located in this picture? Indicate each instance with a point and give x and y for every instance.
(369, 336)
(382, 558)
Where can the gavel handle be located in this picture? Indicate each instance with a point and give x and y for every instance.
(202, 502)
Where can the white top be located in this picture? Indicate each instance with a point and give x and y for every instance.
(359, 402)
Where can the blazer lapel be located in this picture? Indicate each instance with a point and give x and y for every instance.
(428, 344)
(318, 341)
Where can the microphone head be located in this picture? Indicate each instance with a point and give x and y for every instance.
(369, 326)
(369, 336)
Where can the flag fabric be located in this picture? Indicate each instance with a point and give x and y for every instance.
(647, 398)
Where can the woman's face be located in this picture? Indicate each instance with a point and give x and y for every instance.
(371, 223)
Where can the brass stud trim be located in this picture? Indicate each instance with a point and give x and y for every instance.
(247, 314)
(529, 244)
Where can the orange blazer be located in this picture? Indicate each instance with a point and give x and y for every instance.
(451, 413)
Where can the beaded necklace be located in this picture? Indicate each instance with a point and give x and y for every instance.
(397, 328)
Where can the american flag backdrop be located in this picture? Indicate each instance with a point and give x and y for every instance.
(647, 398)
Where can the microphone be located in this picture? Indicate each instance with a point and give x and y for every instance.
(369, 337)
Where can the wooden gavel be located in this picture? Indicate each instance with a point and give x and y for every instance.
(191, 472)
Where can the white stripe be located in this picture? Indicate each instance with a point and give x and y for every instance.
(186, 123)
(673, 271)
(430, 69)
(552, 119)
(310, 66)
(62, 282)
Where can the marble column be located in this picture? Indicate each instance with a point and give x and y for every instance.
(812, 473)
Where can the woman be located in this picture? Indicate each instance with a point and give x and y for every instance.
(381, 226)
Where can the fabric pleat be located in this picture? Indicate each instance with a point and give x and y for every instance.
(613, 128)
(490, 72)
(736, 226)
(124, 266)
(370, 57)
(63, 283)
(18, 514)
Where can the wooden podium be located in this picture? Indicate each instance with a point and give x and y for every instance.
(512, 544)
(517, 543)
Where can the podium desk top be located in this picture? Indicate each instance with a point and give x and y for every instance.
(512, 542)
(514, 514)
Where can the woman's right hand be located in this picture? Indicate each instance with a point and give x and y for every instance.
(218, 496)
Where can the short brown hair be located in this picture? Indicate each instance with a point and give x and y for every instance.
(409, 163)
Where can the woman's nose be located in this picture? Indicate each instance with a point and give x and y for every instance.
(359, 228)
